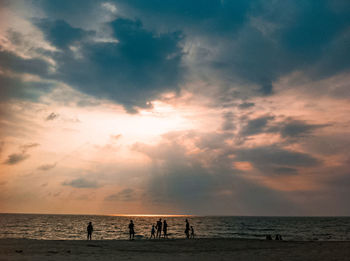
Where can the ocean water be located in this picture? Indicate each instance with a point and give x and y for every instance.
(73, 227)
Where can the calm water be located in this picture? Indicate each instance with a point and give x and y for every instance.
(115, 227)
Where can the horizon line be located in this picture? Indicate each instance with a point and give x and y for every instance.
(168, 215)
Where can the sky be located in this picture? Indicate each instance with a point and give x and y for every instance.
(211, 107)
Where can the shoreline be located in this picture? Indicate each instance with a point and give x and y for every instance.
(173, 249)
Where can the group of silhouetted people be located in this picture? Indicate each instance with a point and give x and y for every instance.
(156, 230)
(159, 227)
(278, 237)
(187, 230)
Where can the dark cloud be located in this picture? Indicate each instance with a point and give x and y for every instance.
(124, 195)
(289, 129)
(256, 126)
(14, 87)
(76, 12)
(260, 42)
(294, 128)
(285, 171)
(18, 64)
(267, 157)
(81, 183)
(46, 167)
(192, 182)
(16, 158)
(246, 105)
(210, 16)
(228, 124)
(52, 116)
(60, 33)
(242, 46)
(131, 72)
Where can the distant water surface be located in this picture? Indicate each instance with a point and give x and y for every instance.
(73, 227)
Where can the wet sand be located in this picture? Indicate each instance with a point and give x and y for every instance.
(197, 249)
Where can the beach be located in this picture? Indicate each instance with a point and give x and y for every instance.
(178, 249)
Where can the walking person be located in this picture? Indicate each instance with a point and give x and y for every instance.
(89, 229)
(131, 230)
(153, 232)
(165, 229)
(187, 230)
(192, 232)
(159, 228)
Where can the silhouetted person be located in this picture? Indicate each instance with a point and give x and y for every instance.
(278, 237)
(165, 229)
(187, 230)
(192, 232)
(159, 228)
(153, 232)
(268, 237)
(131, 230)
(89, 229)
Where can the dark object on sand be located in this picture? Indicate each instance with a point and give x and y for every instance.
(268, 237)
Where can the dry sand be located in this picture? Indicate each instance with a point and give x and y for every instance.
(197, 249)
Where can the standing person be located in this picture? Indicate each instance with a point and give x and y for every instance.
(131, 230)
(159, 228)
(187, 230)
(89, 228)
(153, 232)
(165, 229)
(192, 232)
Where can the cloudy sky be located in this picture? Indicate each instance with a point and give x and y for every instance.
(175, 107)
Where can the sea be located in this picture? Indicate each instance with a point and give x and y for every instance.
(114, 227)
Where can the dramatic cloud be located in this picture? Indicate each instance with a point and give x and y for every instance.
(256, 126)
(259, 41)
(238, 105)
(60, 33)
(131, 71)
(192, 181)
(295, 128)
(266, 158)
